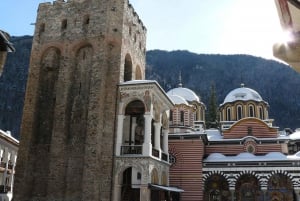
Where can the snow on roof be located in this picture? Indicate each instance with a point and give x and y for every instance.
(295, 135)
(177, 99)
(138, 82)
(185, 93)
(242, 93)
(272, 156)
(213, 134)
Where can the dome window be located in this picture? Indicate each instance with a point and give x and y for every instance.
(228, 114)
(251, 111)
(239, 112)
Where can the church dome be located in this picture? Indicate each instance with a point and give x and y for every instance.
(244, 94)
(185, 93)
(178, 99)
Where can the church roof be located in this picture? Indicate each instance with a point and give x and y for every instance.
(178, 99)
(185, 93)
(245, 156)
(244, 94)
(295, 135)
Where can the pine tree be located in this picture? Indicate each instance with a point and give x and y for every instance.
(212, 120)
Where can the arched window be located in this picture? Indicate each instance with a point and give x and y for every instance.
(228, 114)
(251, 111)
(261, 113)
(239, 112)
(64, 24)
(181, 117)
(171, 115)
(128, 68)
(138, 73)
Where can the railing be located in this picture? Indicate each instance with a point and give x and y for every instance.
(131, 149)
(2, 164)
(155, 152)
(4, 189)
(164, 157)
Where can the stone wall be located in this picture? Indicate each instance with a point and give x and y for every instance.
(68, 127)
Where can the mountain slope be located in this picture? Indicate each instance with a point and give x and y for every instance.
(277, 83)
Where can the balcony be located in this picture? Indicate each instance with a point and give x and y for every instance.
(132, 149)
(4, 189)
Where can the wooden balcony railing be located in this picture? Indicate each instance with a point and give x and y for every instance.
(155, 152)
(164, 157)
(131, 149)
(4, 189)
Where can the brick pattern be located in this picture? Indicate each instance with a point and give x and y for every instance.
(186, 173)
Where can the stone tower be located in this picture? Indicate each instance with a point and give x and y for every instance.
(82, 50)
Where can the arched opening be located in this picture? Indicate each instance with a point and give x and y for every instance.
(239, 114)
(164, 179)
(133, 129)
(128, 68)
(216, 188)
(154, 177)
(138, 73)
(261, 113)
(228, 114)
(248, 189)
(181, 118)
(251, 111)
(280, 187)
(131, 184)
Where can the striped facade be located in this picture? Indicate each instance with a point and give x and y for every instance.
(186, 171)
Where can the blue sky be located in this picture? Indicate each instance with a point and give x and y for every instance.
(200, 26)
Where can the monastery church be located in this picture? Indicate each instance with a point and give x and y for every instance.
(94, 129)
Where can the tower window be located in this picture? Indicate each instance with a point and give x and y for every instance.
(64, 24)
(42, 28)
(86, 20)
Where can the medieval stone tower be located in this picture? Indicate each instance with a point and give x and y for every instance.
(82, 50)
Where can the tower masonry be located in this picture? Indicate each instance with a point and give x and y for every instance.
(82, 50)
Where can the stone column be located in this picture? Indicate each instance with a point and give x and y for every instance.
(264, 190)
(232, 192)
(5, 160)
(2, 60)
(145, 193)
(297, 193)
(121, 118)
(157, 126)
(13, 158)
(147, 146)
(117, 192)
(166, 140)
(133, 127)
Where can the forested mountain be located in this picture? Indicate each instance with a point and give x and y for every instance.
(277, 83)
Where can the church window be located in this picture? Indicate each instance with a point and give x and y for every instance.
(181, 117)
(171, 115)
(239, 112)
(249, 130)
(251, 111)
(261, 113)
(228, 114)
